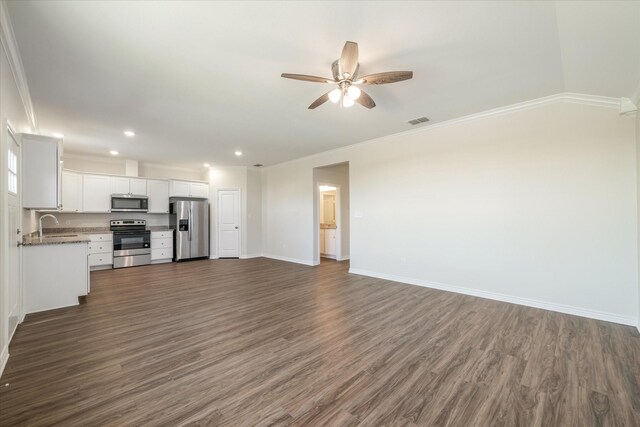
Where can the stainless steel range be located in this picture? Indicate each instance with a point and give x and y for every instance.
(131, 243)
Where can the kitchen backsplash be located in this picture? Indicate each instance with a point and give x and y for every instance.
(100, 219)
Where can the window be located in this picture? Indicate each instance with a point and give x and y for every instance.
(13, 172)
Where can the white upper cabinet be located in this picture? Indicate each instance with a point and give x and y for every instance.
(41, 173)
(138, 186)
(188, 189)
(119, 185)
(96, 194)
(71, 192)
(123, 185)
(158, 193)
(179, 189)
(199, 190)
(91, 193)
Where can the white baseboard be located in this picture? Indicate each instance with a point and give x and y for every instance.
(4, 358)
(344, 258)
(213, 257)
(249, 256)
(52, 308)
(561, 308)
(287, 259)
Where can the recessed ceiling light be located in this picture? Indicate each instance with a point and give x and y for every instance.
(129, 133)
(238, 153)
(57, 135)
(206, 165)
(113, 152)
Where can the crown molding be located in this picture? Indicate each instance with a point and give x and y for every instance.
(564, 97)
(8, 40)
(627, 106)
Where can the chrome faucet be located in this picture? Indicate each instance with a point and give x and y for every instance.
(44, 216)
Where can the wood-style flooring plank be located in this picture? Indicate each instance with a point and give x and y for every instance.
(262, 342)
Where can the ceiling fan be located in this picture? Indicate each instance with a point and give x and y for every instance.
(345, 75)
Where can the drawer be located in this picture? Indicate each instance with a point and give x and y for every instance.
(161, 254)
(161, 244)
(162, 234)
(100, 259)
(100, 247)
(101, 237)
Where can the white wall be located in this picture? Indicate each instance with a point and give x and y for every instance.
(536, 206)
(150, 170)
(337, 175)
(248, 180)
(116, 166)
(94, 164)
(254, 212)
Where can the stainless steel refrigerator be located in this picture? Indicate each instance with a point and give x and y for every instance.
(189, 219)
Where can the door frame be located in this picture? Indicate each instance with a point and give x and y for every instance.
(217, 222)
(318, 194)
(8, 235)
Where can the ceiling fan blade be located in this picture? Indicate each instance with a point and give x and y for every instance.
(318, 102)
(384, 78)
(349, 58)
(306, 78)
(365, 100)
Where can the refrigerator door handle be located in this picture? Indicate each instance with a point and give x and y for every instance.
(190, 224)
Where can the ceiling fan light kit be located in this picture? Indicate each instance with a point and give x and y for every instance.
(345, 75)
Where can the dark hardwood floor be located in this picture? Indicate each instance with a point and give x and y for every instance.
(264, 342)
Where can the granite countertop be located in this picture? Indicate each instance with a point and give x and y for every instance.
(76, 230)
(57, 236)
(34, 239)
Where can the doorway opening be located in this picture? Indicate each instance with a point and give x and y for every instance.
(331, 216)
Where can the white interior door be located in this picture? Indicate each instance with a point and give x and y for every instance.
(228, 223)
(14, 233)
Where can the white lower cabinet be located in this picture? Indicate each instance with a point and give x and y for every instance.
(161, 246)
(54, 275)
(329, 248)
(101, 251)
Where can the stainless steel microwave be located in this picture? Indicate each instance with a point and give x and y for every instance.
(129, 203)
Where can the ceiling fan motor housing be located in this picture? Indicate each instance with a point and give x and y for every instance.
(336, 70)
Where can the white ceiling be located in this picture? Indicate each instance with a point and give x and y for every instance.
(199, 80)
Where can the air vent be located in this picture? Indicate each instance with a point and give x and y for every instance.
(258, 165)
(418, 121)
